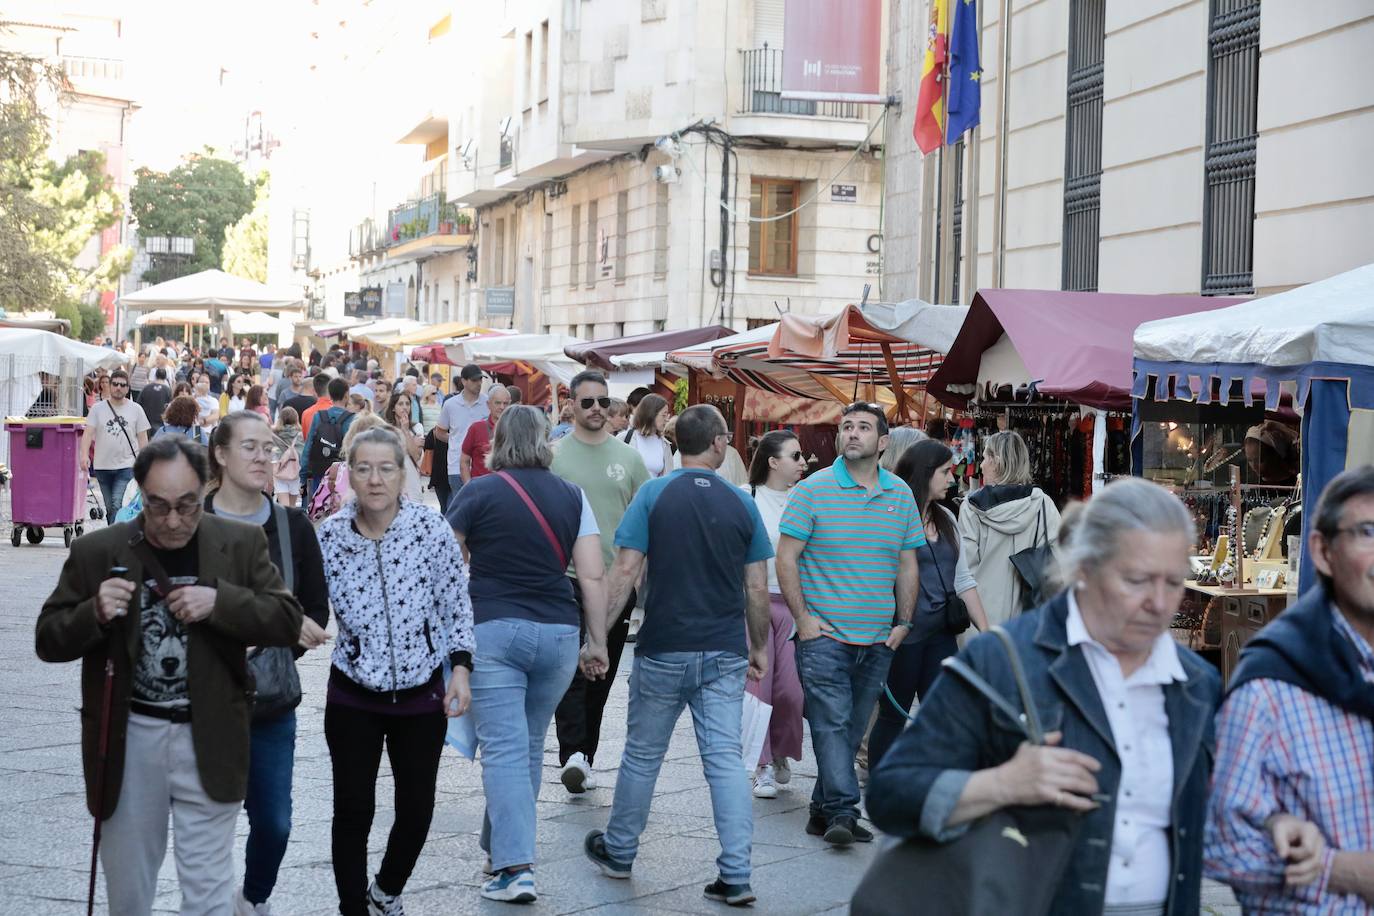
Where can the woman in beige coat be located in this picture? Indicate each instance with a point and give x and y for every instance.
(1001, 519)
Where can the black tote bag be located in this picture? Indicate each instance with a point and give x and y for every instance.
(1008, 862)
(1034, 566)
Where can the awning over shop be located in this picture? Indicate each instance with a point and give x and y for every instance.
(198, 318)
(385, 332)
(1074, 346)
(544, 352)
(431, 333)
(599, 353)
(211, 290)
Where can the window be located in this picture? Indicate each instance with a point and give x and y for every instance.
(619, 329)
(773, 245)
(498, 267)
(548, 252)
(660, 324)
(592, 243)
(622, 228)
(528, 64)
(661, 231)
(543, 61)
(575, 250)
(1228, 207)
(1083, 146)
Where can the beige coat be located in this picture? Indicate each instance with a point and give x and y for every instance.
(994, 523)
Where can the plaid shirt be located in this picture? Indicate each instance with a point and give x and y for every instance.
(1282, 749)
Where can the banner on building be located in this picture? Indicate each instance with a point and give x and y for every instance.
(832, 50)
(365, 303)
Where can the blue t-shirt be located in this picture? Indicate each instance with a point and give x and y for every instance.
(513, 568)
(699, 532)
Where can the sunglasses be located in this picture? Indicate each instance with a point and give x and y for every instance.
(588, 402)
(795, 456)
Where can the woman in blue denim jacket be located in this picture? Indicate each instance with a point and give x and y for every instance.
(1129, 712)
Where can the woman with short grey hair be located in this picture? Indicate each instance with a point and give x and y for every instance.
(899, 439)
(1006, 515)
(519, 526)
(1128, 711)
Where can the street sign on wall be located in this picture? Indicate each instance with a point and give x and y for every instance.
(395, 299)
(832, 50)
(500, 300)
(365, 303)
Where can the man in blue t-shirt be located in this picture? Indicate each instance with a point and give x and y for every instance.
(707, 550)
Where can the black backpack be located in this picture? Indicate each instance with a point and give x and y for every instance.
(327, 447)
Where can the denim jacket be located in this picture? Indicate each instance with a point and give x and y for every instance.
(957, 732)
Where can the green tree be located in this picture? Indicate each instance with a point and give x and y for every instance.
(245, 244)
(82, 203)
(199, 199)
(29, 272)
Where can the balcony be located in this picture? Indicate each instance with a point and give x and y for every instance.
(426, 227)
(764, 112)
(367, 238)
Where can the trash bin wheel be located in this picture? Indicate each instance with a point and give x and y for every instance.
(96, 512)
(80, 530)
(34, 534)
(67, 535)
(15, 535)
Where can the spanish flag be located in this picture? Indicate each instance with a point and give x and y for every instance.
(930, 103)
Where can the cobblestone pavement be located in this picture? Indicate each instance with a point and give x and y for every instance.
(45, 832)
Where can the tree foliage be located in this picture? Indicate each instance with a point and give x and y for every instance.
(83, 203)
(245, 244)
(199, 199)
(29, 272)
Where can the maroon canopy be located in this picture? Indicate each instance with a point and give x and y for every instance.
(597, 353)
(1076, 346)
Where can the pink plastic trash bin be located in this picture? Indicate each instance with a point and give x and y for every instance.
(47, 485)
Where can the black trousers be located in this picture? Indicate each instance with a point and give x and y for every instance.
(355, 740)
(438, 478)
(577, 719)
(915, 666)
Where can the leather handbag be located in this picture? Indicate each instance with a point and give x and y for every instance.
(426, 466)
(1034, 566)
(957, 618)
(1010, 861)
(274, 671)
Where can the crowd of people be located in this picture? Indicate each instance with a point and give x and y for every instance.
(832, 594)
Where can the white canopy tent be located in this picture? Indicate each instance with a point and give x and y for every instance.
(542, 351)
(211, 290)
(26, 354)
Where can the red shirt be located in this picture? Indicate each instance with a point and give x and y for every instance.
(477, 445)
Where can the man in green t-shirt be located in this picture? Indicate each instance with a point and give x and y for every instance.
(609, 472)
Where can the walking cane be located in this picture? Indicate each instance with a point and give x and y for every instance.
(101, 753)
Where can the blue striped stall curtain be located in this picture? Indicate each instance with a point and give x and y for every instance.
(1325, 423)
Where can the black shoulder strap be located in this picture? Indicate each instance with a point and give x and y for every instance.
(123, 427)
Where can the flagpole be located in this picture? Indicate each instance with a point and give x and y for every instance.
(999, 200)
(948, 170)
(971, 202)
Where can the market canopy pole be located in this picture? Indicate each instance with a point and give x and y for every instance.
(898, 390)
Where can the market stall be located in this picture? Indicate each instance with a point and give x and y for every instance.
(41, 374)
(211, 291)
(1311, 347)
(1056, 367)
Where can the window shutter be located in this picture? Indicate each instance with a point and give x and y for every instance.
(768, 23)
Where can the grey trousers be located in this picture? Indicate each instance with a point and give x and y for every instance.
(160, 779)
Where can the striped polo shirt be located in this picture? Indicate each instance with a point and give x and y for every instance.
(854, 538)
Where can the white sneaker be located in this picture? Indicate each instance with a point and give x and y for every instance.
(577, 774)
(244, 907)
(764, 786)
(782, 771)
(380, 903)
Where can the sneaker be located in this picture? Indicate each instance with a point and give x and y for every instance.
(245, 907)
(380, 903)
(733, 894)
(595, 848)
(576, 774)
(816, 824)
(782, 771)
(511, 887)
(486, 866)
(764, 786)
(841, 831)
(861, 833)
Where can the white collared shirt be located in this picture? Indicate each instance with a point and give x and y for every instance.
(1140, 868)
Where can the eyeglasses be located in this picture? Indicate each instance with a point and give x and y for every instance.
(795, 456)
(1362, 533)
(119, 384)
(250, 450)
(161, 509)
(588, 402)
(386, 471)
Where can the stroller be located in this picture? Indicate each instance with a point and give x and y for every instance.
(96, 509)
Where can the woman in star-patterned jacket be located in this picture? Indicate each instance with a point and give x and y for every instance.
(399, 587)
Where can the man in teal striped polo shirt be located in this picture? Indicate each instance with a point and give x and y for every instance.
(847, 568)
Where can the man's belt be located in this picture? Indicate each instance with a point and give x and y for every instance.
(176, 714)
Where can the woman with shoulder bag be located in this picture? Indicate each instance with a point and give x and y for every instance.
(1128, 754)
(947, 601)
(520, 525)
(241, 455)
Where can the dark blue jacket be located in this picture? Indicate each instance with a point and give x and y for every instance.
(957, 730)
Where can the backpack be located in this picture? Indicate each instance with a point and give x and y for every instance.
(327, 445)
(328, 495)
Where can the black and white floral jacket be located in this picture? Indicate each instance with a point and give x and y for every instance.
(401, 602)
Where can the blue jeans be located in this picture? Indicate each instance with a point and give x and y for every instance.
(112, 486)
(519, 673)
(711, 684)
(272, 756)
(841, 683)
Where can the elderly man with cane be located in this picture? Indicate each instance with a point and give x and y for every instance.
(160, 611)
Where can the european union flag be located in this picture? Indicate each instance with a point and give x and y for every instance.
(965, 88)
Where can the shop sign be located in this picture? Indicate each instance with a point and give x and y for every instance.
(500, 300)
